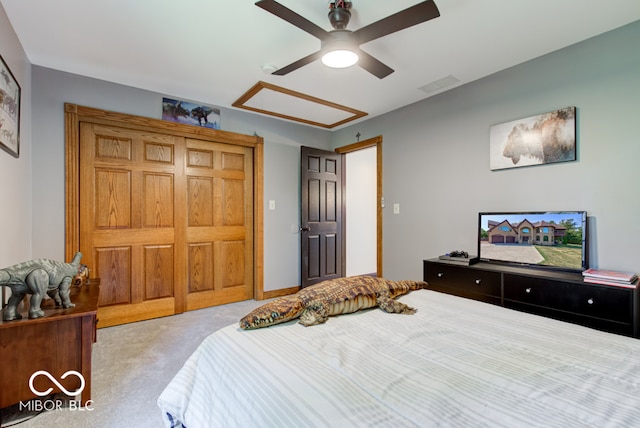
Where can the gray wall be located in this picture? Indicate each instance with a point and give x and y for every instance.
(436, 155)
(15, 174)
(51, 89)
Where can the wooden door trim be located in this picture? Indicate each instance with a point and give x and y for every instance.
(75, 114)
(377, 143)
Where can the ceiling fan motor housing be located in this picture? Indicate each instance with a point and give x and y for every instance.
(338, 39)
(339, 16)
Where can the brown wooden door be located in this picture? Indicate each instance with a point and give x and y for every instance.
(165, 222)
(219, 218)
(321, 212)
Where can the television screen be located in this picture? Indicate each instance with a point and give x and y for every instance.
(554, 239)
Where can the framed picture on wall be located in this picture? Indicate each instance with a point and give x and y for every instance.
(9, 111)
(536, 140)
(191, 114)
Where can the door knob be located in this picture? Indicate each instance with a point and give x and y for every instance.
(305, 229)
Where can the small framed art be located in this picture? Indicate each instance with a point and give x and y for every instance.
(191, 114)
(9, 111)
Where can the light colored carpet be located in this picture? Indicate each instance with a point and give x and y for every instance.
(133, 363)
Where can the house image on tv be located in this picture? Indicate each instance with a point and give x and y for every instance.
(525, 232)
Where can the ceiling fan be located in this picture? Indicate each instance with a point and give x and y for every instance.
(346, 43)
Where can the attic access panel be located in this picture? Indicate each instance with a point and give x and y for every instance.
(284, 103)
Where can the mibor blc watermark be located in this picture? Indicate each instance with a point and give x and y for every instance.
(55, 404)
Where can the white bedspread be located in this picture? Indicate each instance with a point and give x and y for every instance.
(455, 363)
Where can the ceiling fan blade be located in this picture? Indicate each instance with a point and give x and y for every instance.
(299, 63)
(372, 65)
(293, 18)
(399, 21)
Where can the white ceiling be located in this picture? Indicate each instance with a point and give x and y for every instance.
(212, 51)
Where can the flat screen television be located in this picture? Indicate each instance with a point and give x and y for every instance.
(549, 240)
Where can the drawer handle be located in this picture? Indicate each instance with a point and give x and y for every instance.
(527, 290)
(440, 274)
(590, 301)
(478, 281)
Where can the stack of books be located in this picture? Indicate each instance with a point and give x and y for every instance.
(611, 277)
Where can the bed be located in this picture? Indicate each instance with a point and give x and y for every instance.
(455, 363)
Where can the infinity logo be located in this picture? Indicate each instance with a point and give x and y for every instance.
(62, 388)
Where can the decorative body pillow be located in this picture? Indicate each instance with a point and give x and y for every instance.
(316, 303)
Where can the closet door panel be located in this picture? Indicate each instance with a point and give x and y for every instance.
(128, 216)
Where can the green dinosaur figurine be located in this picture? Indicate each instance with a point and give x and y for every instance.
(39, 277)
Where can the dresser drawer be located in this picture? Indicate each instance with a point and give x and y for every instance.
(463, 280)
(560, 295)
(610, 303)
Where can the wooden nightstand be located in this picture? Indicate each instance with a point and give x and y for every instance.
(58, 342)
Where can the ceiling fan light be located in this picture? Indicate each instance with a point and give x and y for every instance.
(340, 58)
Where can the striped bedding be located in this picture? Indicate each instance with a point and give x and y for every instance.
(455, 363)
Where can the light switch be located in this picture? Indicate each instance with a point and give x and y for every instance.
(396, 208)
(272, 204)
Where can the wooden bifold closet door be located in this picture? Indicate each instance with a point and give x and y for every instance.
(166, 221)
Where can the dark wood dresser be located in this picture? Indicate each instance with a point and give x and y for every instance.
(60, 341)
(560, 295)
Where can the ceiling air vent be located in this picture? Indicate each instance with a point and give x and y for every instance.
(439, 84)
